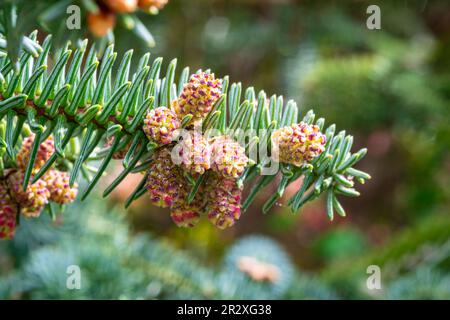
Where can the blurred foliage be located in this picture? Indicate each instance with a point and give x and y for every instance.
(426, 244)
(340, 243)
(386, 84)
(425, 284)
(115, 264)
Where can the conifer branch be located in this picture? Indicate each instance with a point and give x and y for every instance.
(81, 102)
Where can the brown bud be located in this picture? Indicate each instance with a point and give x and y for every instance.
(101, 23)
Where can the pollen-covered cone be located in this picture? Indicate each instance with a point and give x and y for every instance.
(101, 22)
(160, 125)
(194, 153)
(165, 179)
(45, 150)
(228, 157)
(150, 4)
(8, 213)
(198, 96)
(59, 187)
(298, 143)
(33, 199)
(185, 214)
(224, 201)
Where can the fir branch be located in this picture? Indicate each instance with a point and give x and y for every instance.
(83, 103)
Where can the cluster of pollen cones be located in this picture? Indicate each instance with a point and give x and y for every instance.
(183, 156)
(14, 200)
(220, 158)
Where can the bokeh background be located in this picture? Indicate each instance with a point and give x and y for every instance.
(390, 88)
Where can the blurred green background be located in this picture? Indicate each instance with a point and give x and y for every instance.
(390, 88)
